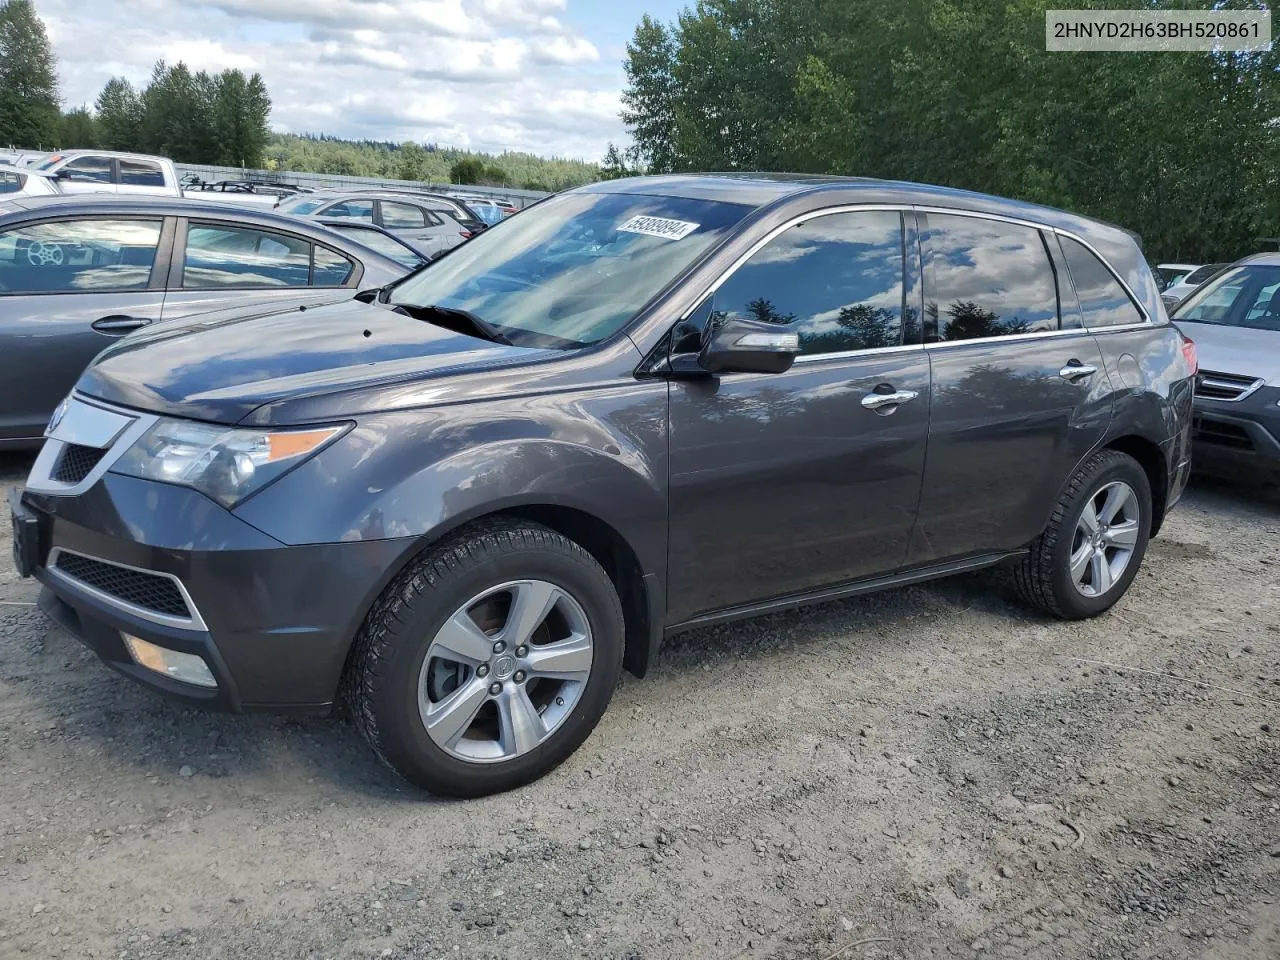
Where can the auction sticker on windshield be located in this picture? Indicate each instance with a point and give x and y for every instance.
(659, 227)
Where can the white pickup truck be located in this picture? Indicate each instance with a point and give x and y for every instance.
(103, 171)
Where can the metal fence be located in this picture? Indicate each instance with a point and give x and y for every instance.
(521, 198)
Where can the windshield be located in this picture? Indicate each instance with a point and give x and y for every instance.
(301, 205)
(576, 268)
(46, 163)
(1247, 296)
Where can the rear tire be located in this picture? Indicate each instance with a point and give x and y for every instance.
(1091, 550)
(445, 642)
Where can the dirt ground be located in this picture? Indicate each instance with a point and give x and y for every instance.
(929, 772)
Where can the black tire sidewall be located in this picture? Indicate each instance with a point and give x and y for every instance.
(1072, 602)
(405, 741)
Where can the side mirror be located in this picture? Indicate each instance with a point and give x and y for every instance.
(748, 346)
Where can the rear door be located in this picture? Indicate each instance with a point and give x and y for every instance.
(783, 483)
(219, 264)
(1019, 395)
(68, 287)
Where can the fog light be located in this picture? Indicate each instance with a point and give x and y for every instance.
(186, 667)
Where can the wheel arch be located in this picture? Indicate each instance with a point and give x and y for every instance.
(1152, 460)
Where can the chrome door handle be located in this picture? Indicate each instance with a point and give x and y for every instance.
(874, 401)
(1076, 371)
(119, 324)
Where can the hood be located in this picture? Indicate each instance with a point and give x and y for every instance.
(221, 367)
(1240, 350)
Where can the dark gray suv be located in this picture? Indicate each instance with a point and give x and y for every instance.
(467, 500)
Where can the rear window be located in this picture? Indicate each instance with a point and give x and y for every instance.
(1204, 273)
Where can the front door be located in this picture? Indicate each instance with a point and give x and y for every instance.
(1019, 396)
(68, 288)
(783, 483)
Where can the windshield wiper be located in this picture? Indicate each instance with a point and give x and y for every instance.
(483, 328)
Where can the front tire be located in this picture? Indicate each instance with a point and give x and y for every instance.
(489, 660)
(1091, 550)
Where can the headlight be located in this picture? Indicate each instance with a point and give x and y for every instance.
(223, 463)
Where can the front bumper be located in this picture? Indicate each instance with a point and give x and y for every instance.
(273, 622)
(1238, 438)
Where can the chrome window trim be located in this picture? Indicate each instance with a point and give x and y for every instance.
(903, 208)
(1004, 338)
(41, 479)
(1249, 391)
(194, 622)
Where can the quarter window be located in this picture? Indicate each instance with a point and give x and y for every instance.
(986, 278)
(331, 268)
(242, 257)
(1102, 299)
(97, 169)
(401, 216)
(78, 256)
(836, 278)
(141, 173)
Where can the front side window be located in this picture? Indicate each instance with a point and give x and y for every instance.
(401, 216)
(141, 173)
(575, 269)
(96, 169)
(352, 210)
(1103, 300)
(836, 278)
(1242, 297)
(219, 256)
(78, 256)
(985, 278)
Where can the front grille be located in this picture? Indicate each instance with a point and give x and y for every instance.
(1220, 433)
(1211, 385)
(150, 591)
(75, 462)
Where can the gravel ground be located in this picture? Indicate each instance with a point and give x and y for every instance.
(929, 772)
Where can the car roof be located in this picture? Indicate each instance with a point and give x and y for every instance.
(1179, 266)
(88, 152)
(760, 190)
(89, 204)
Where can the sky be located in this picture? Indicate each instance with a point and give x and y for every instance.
(542, 76)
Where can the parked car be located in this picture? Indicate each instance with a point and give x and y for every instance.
(429, 231)
(460, 210)
(1169, 274)
(23, 182)
(1235, 321)
(471, 497)
(101, 171)
(1177, 292)
(376, 238)
(490, 211)
(76, 276)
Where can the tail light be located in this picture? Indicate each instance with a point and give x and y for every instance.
(1189, 354)
(467, 234)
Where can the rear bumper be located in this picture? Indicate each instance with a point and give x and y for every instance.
(1239, 438)
(272, 622)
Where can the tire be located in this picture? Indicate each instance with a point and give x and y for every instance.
(1045, 579)
(392, 687)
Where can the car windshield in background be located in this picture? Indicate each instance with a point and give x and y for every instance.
(574, 269)
(1247, 296)
(302, 205)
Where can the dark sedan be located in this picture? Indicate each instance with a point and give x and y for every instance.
(77, 274)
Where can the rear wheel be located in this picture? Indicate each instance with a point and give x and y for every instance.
(489, 660)
(1092, 548)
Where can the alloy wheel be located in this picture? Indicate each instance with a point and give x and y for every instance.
(1105, 537)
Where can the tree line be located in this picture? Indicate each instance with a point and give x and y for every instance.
(1183, 148)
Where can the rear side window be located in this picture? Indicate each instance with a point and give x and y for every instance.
(1103, 301)
(78, 256)
(241, 257)
(141, 173)
(352, 210)
(400, 216)
(96, 169)
(985, 278)
(837, 278)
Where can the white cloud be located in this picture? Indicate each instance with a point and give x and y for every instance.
(484, 74)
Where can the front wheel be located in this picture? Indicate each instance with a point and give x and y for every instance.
(489, 661)
(1094, 543)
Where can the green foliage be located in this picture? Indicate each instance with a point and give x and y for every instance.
(119, 115)
(29, 113)
(614, 164)
(1183, 148)
(79, 130)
